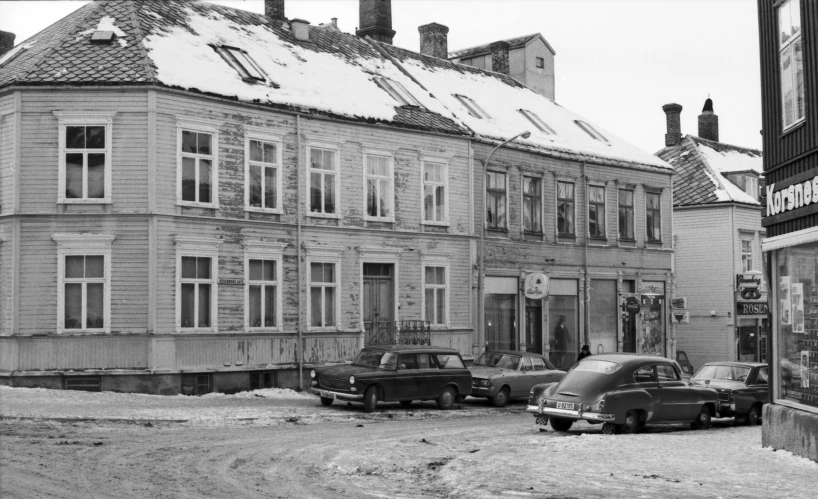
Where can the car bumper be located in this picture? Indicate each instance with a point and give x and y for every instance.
(482, 391)
(569, 414)
(323, 392)
(726, 409)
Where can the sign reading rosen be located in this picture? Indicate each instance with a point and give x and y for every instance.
(793, 197)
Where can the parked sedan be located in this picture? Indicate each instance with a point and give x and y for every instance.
(742, 386)
(505, 374)
(623, 392)
(395, 373)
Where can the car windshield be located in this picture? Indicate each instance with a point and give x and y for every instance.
(597, 366)
(736, 373)
(502, 360)
(377, 359)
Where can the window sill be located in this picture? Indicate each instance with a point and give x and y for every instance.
(331, 216)
(532, 232)
(655, 242)
(598, 239)
(379, 220)
(435, 224)
(272, 211)
(188, 204)
(85, 201)
(263, 330)
(567, 236)
(195, 330)
(626, 240)
(84, 331)
(333, 329)
(795, 126)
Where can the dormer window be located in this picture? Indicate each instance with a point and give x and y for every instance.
(103, 37)
(242, 63)
(472, 107)
(537, 122)
(397, 91)
(591, 131)
(751, 186)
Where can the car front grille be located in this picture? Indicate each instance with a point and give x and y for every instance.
(335, 384)
(724, 396)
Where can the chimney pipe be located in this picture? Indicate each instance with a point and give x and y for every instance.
(6, 41)
(301, 29)
(709, 122)
(274, 10)
(674, 124)
(434, 40)
(376, 20)
(499, 57)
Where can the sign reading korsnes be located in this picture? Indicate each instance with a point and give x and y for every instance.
(793, 197)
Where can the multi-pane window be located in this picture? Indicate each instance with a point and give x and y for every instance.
(84, 292)
(746, 255)
(653, 216)
(537, 122)
(323, 294)
(85, 162)
(475, 110)
(565, 208)
(262, 293)
(434, 293)
(197, 291)
(378, 186)
(596, 211)
(323, 172)
(434, 192)
(791, 62)
(397, 92)
(626, 214)
(263, 175)
(532, 204)
(197, 167)
(241, 61)
(495, 200)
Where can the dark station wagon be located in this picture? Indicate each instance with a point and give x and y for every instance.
(395, 373)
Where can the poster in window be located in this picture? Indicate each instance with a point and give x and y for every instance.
(797, 308)
(784, 301)
(804, 369)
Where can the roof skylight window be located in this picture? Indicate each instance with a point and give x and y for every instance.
(537, 122)
(472, 107)
(103, 37)
(12, 54)
(242, 63)
(398, 92)
(591, 131)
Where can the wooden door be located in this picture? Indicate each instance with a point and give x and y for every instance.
(379, 298)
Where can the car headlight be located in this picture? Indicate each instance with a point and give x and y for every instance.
(483, 382)
(352, 380)
(312, 374)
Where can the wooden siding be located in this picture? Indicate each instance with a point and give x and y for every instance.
(73, 353)
(7, 140)
(6, 277)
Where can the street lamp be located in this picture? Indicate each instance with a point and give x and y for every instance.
(481, 276)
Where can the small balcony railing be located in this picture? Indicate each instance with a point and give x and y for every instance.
(409, 332)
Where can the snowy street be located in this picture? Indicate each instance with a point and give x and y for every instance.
(279, 443)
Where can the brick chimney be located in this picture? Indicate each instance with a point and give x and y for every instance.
(673, 114)
(274, 10)
(6, 41)
(376, 20)
(434, 40)
(499, 57)
(708, 122)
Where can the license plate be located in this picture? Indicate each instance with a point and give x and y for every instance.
(329, 395)
(565, 405)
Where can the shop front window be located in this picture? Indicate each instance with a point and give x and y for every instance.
(603, 316)
(651, 333)
(563, 321)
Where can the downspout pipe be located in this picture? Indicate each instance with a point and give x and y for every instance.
(300, 349)
(586, 311)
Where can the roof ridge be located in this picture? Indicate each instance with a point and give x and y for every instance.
(526, 37)
(137, 26)
(724, 144)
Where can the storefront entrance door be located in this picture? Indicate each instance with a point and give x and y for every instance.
(501, 322)
(752, 340)
(533, 325)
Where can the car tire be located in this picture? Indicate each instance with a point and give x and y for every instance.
(611, 429)
(405, 402)
(633, 422)
(326, 401)
(370, 399)
(702, 420)
(754, 416)
(560, 424)
(447, 398)
(501, 399)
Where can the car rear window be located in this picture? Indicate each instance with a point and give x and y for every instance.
(449, 361)
(597, 366)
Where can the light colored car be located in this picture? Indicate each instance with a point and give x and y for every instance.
(505, 374)
(743, 388)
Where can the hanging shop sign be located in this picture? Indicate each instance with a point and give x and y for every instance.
(749, 280)
(680, 317)
(678, 302)
(744, 308)
(632, 306)
(536, 286)
(793, 197)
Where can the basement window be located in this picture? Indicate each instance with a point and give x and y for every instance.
(239, 60)
(537, 122)
(83, 383)
(397, 91)
(591, 131)
(472, 107)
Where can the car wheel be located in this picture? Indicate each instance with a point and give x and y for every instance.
(702, 420)
(405, 402)
(326, 401)
(446, 399)
(610, 429)
(632, 422)
(501, 399)
(370, 399)
(561, 424)
(754, 416)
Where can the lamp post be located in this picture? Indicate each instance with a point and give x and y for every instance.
(481, 276)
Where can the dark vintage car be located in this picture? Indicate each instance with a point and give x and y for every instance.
(504, 374)
(623, 392)
(742, 386)
(395, 373)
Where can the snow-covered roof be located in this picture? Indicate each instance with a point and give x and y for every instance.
(513, 43)
(172, 43)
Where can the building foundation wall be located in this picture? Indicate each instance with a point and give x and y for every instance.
(790, 429)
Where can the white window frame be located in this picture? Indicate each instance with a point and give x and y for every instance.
(538, 122)
(268, 251)
(788, 46)
(391, 178)
(203, 247)
(434, 260)
(604, 234)
(85, 118)
(82, 245)
(632, 207)
(522, 203)
(750, 254)
(472, 107)
(198, 125)
(263, 135)
(751, 186)
(506, 176)
(659, 210)
(446, 190)
(324, 254)
(557, 207)
(590, 130)
(327, 146)
(397, 91)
